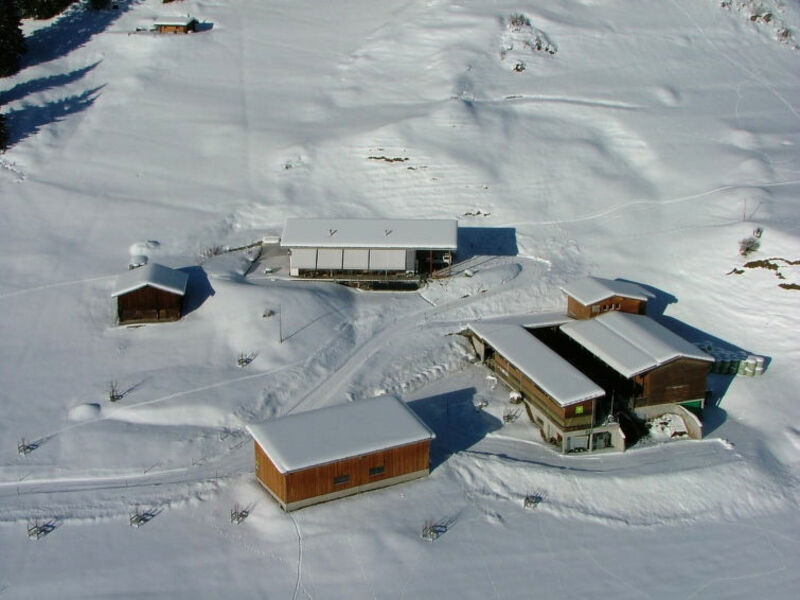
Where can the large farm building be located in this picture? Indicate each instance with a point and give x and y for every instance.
(369, 249)
(323, 454)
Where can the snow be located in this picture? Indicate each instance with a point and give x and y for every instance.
(589, 290)
(658, 136)
(631, 344)
(179, 21)
(325, 435)
(154, 275)
(560, 380)
(425, 234)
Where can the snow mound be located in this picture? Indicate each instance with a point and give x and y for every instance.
(84, 412)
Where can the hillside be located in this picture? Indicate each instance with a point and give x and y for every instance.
(639, 141)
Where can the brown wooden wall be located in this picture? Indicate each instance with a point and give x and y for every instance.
(563, 417)
(577, 310)
(149, 304)
(268, 474)
(680, 380)
(174, 28)
(317, 481)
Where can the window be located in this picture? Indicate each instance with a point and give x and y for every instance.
(340, 479)
(578, 410)
(595, 309)
(375, 471)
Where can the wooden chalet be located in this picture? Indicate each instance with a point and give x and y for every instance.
(185, 24)
(589, 297)
(329, 453)
(369, 249)
(567, 406)
(657, 366)
(150, 294)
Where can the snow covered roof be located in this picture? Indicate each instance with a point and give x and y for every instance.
(535, 321)
(631, 344)
(174, 21)
(337, 432)
(427, 234)
(559, 379)
(153, 275)
(589, 290)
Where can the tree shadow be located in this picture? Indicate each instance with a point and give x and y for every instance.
(33, 86)
(198, 289)
(26, 121)
(486, 241)
(76, 26)
(456, 421)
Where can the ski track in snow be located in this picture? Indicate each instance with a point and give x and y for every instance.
(647, 203)
(51, 286)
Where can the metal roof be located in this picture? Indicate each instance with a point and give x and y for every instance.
(559, 379)
(174, 21)
(421, 234)
(153, 275)
(631, 344)
(334, 433)
(588, 290)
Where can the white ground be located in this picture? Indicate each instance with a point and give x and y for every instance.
(654, 139)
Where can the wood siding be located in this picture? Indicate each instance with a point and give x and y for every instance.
(268, 474)
(176, 28)
(566, 418)
(318, 481)
(577, 310)
(148, 304)
(680, 380)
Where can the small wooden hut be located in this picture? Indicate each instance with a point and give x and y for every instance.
(589, 297)
(185, 24)
(323, 454)
(150, 294)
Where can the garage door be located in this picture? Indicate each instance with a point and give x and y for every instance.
(356, 259)
(303, 258)
(387, 260)
(329, 258)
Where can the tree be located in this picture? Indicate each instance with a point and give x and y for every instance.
(12, 41)
(3, 133)
(42, 9)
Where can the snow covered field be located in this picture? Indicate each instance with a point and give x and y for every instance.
(654, 138)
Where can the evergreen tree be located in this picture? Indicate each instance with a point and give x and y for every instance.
(42, 9)
(12, 41)
(3, 133)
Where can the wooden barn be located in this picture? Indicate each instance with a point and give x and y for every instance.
(150, 294)
(589, 297)
(567, 406)
(369, 249)
(658, 366)
(185, 24)
(329, 453)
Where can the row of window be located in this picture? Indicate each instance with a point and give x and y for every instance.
(605, 307)
(373, 472)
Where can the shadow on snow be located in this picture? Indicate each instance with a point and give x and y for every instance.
(456, 421)
(198, 289)
(76, 26)
(713, 414)
(42, 84)
(26, 121)
(486, 241)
